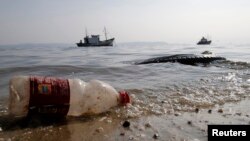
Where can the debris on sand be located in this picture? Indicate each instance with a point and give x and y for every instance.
(126, 124)
(197, 110)
(189, 122)
(209, 111)
(156, 136)
(177, 114)
(148, 125)
(99, 130)
(131, 138)
(220, 111)
(238, 114)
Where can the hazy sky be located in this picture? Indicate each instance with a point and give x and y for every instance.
(172, 21)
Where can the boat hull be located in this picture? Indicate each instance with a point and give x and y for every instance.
(204, 43)
(108, 42)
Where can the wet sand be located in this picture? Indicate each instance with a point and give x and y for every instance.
(176, 126)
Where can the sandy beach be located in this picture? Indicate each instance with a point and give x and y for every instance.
(180, 126)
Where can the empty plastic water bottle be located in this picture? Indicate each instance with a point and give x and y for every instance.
(61, 97)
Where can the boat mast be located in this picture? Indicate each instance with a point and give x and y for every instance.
(105, 32)
(86, 32)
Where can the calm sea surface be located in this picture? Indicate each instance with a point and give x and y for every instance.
(155, 87)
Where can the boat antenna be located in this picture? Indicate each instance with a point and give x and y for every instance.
(105, 32)
(208, 37)
(86, 31)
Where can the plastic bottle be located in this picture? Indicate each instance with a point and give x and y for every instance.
(61, 97)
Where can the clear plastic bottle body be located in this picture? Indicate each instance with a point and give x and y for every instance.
(103, 95)
(19, 96)
(85, 98)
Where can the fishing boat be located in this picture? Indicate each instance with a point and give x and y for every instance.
(204, 41)
(94, 41)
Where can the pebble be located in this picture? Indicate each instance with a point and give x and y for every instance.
(210, 111)
(141, 129)
(189, 122)
(148, 125)
(177, 114)
(103, 118)
(179, 127)
(163, 101)
(122, 134)
(142, 135)
(109, 120)
(156, 136)
(197, 110)
(99, 130)
(131, 138)
(239, 114)
(220, 111)
(126, 124)
(106, 136)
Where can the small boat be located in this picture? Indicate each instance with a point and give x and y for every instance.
(94, 41)
(204, 41)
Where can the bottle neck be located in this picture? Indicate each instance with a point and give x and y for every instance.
(124, 98)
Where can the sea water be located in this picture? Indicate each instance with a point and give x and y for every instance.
(157, 89)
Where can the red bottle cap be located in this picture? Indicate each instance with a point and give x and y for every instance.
(124, 97)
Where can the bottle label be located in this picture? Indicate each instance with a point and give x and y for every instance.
(49, 96)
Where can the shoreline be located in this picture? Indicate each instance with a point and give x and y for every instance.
(189, 125)
(178, 126)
